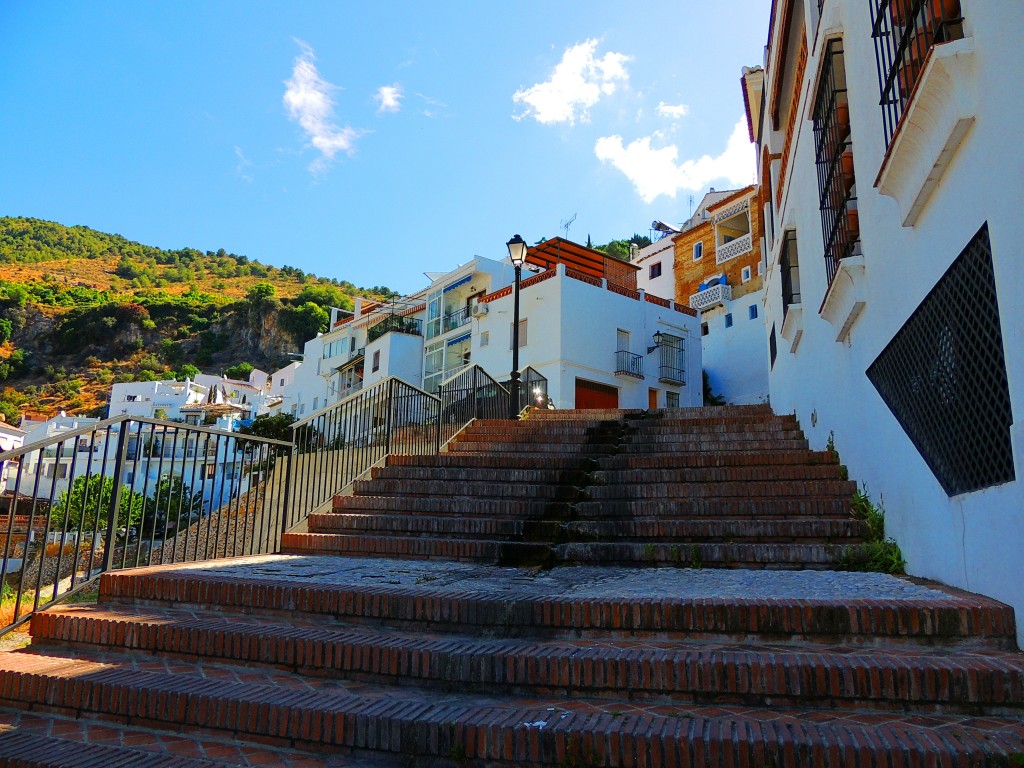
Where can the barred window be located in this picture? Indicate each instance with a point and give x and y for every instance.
(904, 31)
(833, 149)
(790, 267)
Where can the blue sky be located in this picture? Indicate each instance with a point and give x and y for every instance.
(371, 141)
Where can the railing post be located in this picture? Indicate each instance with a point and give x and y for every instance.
(115, 503)
(289, 496)
(389, 402)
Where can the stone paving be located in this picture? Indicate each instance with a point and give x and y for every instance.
(575, 581)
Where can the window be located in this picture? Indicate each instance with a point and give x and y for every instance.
(621, 340)
(376, 361)
(728, 320)
(904, 31)
(672, 359)
(671, 399)
(698, 251)
(833, 152)
(704, 329)
(752, 311)
(485, 338)
(131, 398)
(745, 275)
(210, 471)
(280, 382)
(773, 348)
(352, 344)
(316, 403)
(522, 334)
(790, 267)
(655, 270)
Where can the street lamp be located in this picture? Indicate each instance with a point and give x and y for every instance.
(517, 254)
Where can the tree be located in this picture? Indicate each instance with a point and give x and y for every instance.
(304, 322)
(240, 371)
(270, 427)
(324, 296)
(5, 329)
(172, 500)
(187, 371)
(90, 498)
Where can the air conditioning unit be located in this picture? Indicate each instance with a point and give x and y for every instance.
(480, 309)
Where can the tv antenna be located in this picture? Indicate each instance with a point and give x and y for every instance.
(566, 224)
(691, 206)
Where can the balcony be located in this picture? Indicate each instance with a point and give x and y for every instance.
(396, 323)
(456, 319)
(710, 297)
(671, 375)
(734, 248)
(628, 364)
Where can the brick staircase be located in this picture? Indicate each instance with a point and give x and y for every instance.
(422, 652)
(697, 487)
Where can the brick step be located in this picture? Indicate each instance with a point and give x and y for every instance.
(452, 505)
(574, 477)
(494, 528)
(707, 411)
(36, 740)
(586, 414)
(464, 550)
(799, 606)
(483, 460)
(699, 446)
(731, 459)
(688, 426)
(474, 488)
(397, 722)
(539, 449)
(771, 555)
(753, 489)
(684, 508)
(733, 435)
(666, 530)
(713, 474)
(806, 530)
(706, 673)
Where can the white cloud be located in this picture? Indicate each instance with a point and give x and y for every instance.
(576, 84)
(309, 103)
(243, 166)
(655, 172)
(672, 110)
(389, 98)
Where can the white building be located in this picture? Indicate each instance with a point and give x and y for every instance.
(205, 399)
(888, 145)
(583, 325)
(10, 438)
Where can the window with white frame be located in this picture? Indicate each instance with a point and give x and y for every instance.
(485, 338)
(745, 275)
(698, 251)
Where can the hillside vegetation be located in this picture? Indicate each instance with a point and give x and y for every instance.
(81, 309)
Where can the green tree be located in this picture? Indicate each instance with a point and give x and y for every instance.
(304, 322)
(240, 371)
(5, 329)
(271, 427)
(172, 501)
(324, 296)
(90, 499)
(260, 293)
(187, 371)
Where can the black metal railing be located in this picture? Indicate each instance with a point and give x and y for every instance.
(534, 389)
(456, 319)
(338, 444)
(672, 359)
(410, 325)
(904, 31)
(628, 364)
(837, 188)
(790, 269)
(127, 492)
(470, 394)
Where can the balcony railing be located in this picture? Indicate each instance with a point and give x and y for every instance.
(628, 364)
(456, 319)
(671, 375)
(710, 297)
(734, 248)
(396, 323)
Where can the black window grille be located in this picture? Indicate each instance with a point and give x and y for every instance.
(904, 31)
(790, 267)
(672, 359)
(773, 348)
(833, 149)
(943, 376)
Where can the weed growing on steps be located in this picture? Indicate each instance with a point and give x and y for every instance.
(877, 553)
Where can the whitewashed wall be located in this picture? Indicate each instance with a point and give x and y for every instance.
(974, 540)
(736, 358)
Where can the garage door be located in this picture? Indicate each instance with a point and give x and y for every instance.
(590, 394)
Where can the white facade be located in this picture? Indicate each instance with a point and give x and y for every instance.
(954, 165)
(657, 274)
(145, 398)
(735, 355)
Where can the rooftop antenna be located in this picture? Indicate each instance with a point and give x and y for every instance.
(691, 206)
(566, 224)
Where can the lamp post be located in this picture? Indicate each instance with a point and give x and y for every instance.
(517, 254)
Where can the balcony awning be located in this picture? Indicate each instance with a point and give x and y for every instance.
(457, 283)
(459, 339)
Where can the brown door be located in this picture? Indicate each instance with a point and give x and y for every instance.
(652, 399)
(590, 394)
